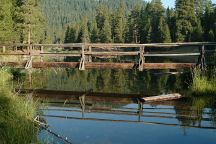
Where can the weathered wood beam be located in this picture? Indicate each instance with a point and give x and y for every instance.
(113, 53)
(115, 45)
(99, 65)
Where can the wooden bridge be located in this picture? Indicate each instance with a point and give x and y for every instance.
(87, 55)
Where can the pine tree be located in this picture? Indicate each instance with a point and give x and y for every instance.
(163, 31)
(200, 6)
(105, 33)
(102, 13)
(160, 29)
(186, 19)
(119, 23)
(208, 22)
(170, 15)
(28, 20)
(6, 22)
(84, 33)
(71, 34)
(94, 33)
(103, 25)
(67, 35)
(145, 25)
(153, 25)
(197, 34)
(133, 34)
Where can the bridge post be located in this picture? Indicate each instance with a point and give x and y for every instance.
(82, 60)
(90, 56)
(29, 61)
(3, 49)
(142, 58)
(41, 51)
(201, 60)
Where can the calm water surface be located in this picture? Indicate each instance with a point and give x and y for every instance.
(108, 120)
(170, 122)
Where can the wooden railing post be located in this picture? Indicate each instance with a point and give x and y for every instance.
(82, 60)
(4, 49)
(41, 51)
(201, 60)
(90, 56)
(29, 61)
(142, 58)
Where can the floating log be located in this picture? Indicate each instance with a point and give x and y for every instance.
(162, 97)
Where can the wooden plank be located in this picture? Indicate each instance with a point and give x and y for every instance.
(171, 55)
(113, 53)
(116, 45)
(99, 65)
(14, 53)
(162, 97)
(58, 54)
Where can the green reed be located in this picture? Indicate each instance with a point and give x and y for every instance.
(204, 83)
(16, 114)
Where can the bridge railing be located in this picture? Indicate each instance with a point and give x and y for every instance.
(85, 51)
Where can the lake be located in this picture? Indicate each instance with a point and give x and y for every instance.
(102, 117)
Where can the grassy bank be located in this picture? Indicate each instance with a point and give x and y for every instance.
(204, 83)
(16, 115)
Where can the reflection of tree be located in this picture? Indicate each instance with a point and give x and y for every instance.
(183, 109)
(109, 81)
(191, 112)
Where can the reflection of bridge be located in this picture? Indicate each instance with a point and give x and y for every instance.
(139, 115)
(86, 52)
(110, 104)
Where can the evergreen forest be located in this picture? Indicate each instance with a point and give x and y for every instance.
(106, 21)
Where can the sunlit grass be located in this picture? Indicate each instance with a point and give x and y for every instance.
(16, 115)
(203, 83)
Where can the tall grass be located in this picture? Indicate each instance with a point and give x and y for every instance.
(16, 115)
(204, 83)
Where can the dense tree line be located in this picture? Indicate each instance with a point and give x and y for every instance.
(21, 21)
(119, 21)
(60, 13)
(193, 20)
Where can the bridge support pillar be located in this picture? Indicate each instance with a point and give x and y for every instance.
(4, 49)
(202, 60)
(141, 59)
(90, 56)
(82, 60)
(29, 63)
(41, 51)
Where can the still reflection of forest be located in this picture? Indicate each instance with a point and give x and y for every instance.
(190, 112)
(109, 81)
